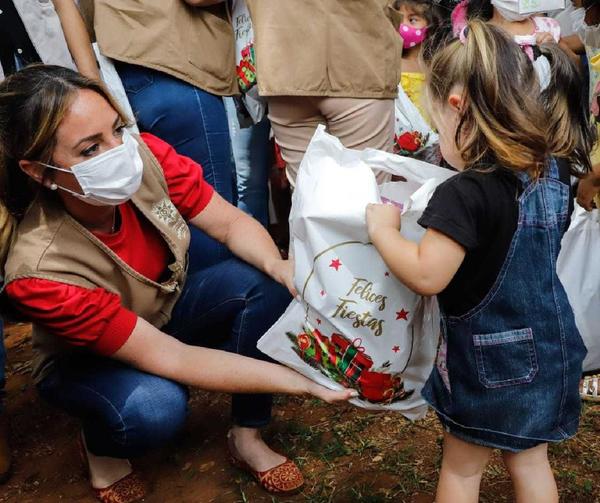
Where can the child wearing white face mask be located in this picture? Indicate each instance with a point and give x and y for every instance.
(528, 30)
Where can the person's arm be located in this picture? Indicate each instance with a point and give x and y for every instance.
(245, 237)
(574, 43)
(153, 351)
(78, 40)
(589, 188)
(427, 267)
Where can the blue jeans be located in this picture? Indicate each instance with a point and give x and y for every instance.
(252, 156)
(125, 411)
(194, 122)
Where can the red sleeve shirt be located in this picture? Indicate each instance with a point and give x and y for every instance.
(95, 318)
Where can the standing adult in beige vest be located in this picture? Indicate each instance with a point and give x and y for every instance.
(335, 62)
(99, 264)
(176, 61)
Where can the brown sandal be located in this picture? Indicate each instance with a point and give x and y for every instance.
(129, 489)
(126, 490)
(285, 478)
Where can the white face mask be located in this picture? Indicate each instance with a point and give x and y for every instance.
(108, 179)
(509, 10)
(519, 10)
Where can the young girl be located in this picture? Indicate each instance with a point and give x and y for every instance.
(413, 134)
(510, 355)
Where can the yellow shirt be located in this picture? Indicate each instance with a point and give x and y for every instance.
(413, 84)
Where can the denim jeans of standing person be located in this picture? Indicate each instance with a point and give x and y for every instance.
(252, 156)
(194, 122)
(125, 411)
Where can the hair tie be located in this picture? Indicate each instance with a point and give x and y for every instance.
(462, 36)
(458, 17)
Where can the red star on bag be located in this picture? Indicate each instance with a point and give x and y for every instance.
(318, 321)
(322, 293)
(395, 349)
(336, 264)
(402, 315)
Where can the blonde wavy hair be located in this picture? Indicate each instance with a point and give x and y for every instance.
(505, 120)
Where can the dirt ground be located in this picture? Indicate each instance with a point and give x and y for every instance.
(346, 454)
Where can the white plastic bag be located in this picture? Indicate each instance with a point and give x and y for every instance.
(413, 137)
(579, 272)
(245, 61)
(356, 325)
(111, 79)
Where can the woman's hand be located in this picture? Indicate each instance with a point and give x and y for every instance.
(588, 188)
(382, 216)
(282, 271)
(329, 395)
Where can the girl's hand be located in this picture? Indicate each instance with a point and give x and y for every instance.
(544, 37)
(329, 395)
(282, 271)
(588, 188)
(382, 216)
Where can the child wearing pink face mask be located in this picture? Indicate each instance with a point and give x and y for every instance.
(419, 19)
(414, 136)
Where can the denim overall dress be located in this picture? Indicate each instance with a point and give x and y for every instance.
(507, 371)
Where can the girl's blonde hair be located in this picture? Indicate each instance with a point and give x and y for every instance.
(505, 121)
(33, 103)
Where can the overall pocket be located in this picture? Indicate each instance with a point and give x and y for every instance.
(505, 358)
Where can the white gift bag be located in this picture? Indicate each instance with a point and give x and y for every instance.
(579, 272)
(413, 137)
(355, 324)
(245, 60)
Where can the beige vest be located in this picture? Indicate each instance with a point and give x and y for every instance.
(194, 44)
(50, 244)
(335, 48)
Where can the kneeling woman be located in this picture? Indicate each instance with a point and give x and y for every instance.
(99, 264)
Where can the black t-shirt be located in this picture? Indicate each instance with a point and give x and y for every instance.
(480, 211)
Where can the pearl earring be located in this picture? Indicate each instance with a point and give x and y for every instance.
(53, 186)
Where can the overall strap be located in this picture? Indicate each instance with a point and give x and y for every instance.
(524, 177)
(553, 169)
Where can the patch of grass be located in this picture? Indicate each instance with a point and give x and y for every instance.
(333, 448)
(395, 461)
(365, 493)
